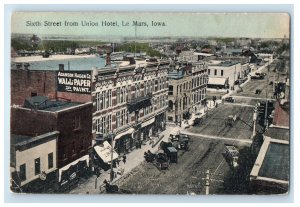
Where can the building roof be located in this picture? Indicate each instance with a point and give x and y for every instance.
(203, 54)
(216, 81)
(273, 162)
(276, 162)
(175, 74)
(45, 104)
(278, 133)
(281, 114)
(226, 63)
(22, 142)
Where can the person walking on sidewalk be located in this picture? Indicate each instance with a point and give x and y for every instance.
(124, 159)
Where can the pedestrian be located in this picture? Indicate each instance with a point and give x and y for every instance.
(118, 162)
(124, 158)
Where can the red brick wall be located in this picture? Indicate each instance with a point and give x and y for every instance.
(24, 82)
(70, 137)
(75, 142)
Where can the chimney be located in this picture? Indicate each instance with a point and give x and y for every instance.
(61, 67)
(26, 66)
(19, 65)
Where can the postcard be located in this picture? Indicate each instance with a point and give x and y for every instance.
(150, 103)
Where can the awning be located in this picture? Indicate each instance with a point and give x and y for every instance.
(104, 152)
(146, 123)
(216, 81)
(129, 131)
(84, 158)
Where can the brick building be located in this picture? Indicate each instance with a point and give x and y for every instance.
(73, 120)
(187, 89)
(29, 83)
(131, 102)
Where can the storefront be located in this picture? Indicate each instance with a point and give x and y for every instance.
(124, 141)
(147, 129)
(68, 176)
(104, 155)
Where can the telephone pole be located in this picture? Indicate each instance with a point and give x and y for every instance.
(207, 182)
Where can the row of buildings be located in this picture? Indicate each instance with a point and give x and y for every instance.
(59, 117)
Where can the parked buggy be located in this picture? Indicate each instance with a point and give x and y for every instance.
(169, 150)
(230, 120)
(180, 141)
(161, 161)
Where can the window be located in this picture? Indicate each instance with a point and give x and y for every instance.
(109, 98)
(108, 124)
(37, 166)
(222, 72)
(215, 72)
(118, 119)
(63, 151)
(118, 95)
(104, 99)
(103, 125)
(50, 160)
(170, 90)
(99, 101)
(22, 173)
(33, 94)
(208, 71)
(77, 122)
(73, 147)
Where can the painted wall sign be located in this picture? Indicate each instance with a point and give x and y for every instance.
(74, 82)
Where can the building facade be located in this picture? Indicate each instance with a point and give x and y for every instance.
(130, 103)
(33, 162)
(73, 120)
(187, 89)
(224, 74)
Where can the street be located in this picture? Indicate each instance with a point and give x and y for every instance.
(185, 177)
(206, 152)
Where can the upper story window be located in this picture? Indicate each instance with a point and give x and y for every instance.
(222, 72)
(77, 122)
(50, 160)
(37, 166)
(215, 71)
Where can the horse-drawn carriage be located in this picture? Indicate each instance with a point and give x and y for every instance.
(160, 160)
(180, 141)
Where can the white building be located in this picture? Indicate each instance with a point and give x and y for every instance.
(224, 74)
(33, 162)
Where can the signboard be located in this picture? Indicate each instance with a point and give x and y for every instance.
(74, 82)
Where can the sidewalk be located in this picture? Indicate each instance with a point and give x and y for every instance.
(95, 185)
(251, 73)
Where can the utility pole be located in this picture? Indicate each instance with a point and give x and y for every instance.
(254, 122)
(111, 157)
(266, 111)
(207, 182)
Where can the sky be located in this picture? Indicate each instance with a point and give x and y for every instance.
(252, 25)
